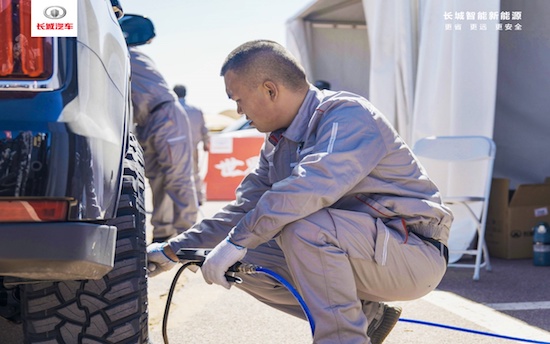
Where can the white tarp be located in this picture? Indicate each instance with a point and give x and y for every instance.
(394, 54)
(325, 31)
(433, 72)
(457, 72)
(522, 113)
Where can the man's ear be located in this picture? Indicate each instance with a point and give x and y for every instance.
(271, 89)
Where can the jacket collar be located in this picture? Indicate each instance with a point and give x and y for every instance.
(297, 130)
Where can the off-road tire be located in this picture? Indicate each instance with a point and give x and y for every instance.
(112, 309)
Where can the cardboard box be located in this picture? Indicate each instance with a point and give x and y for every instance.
(512, 216)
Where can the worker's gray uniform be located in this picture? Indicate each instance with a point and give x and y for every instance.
(199, 133)
(339, 190)
(162, 129)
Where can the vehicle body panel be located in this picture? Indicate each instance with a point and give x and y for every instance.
(65, 138)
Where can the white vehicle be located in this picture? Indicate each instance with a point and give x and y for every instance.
(72, 215)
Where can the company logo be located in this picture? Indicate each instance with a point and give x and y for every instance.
(55, 12)
(54, 18)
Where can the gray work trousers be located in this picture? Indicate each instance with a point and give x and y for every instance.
(167, 151)
(336, 258)
(196, 174)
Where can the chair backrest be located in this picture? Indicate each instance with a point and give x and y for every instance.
(462, 168)
(455, 148)
(459, 165)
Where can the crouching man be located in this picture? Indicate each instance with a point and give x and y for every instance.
(338, 205)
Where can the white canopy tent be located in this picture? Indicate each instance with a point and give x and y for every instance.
(330, 40)
(432, 72)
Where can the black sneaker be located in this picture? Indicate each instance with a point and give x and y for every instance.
(379, 329)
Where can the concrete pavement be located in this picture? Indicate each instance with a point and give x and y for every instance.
(202, 313)
(513, 300)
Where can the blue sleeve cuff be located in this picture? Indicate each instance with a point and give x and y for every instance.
(164, 253)
(239, 247)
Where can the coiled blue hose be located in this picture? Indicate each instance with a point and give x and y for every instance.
(294, 292)
(470, 331)
(312, 322)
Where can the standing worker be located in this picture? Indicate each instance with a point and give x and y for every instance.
(199, 133)
(338, 205)
(162, 129)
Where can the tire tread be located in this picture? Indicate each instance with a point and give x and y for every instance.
(112, 309)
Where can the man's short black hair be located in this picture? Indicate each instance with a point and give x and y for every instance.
(264, 59)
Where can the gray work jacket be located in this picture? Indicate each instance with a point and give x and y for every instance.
(199, 132)
(339, 152)
(149, 89)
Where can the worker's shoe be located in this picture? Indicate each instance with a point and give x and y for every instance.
(382, 322)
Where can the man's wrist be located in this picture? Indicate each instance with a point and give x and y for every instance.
(168, 252)
(238, 247)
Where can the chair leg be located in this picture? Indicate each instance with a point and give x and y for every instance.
(488, 266)
(477, 266)
(480, 250)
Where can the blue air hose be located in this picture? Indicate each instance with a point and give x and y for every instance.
(312, 322)
(294, 292)
(470, 331)
(252, 269)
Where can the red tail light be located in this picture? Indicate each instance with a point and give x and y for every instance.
(6, 36)
(32, 48)
(33, 210)
(22, 56)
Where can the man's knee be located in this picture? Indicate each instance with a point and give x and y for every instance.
(317, 228)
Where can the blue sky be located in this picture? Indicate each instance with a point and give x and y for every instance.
(195, 36)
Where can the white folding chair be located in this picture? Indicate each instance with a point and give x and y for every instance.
(462, 168)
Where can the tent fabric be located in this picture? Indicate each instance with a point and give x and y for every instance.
(428, 80)
(351, 72)
(297, 41)
(330, 39)
(457, 72)
(393, 32)
(432, 79)
(522, 114)
(425, 79)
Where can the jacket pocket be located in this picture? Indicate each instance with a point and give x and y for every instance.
(373, 208)
(383, 236)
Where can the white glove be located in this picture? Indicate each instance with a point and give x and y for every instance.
(157, 260)
(221, 258)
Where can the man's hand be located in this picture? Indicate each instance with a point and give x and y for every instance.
(223, 256)
(157, 260)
